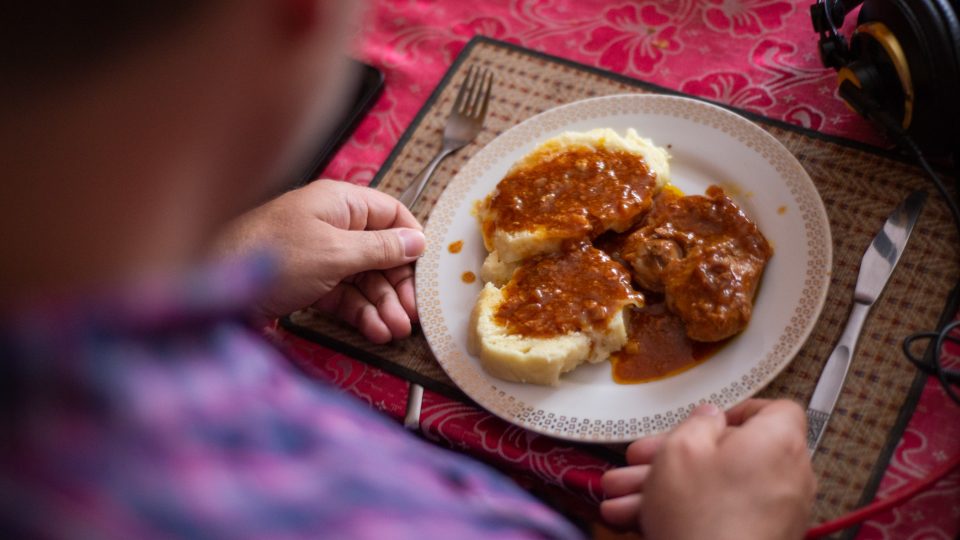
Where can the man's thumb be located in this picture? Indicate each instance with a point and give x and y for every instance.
(380, 250)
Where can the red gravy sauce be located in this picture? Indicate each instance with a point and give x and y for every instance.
(657, 346)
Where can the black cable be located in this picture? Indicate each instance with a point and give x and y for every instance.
(947, 378)
(918, 155)
(828, 13)
(868, 107)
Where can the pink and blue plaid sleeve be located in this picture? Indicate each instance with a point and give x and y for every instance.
(196, 428)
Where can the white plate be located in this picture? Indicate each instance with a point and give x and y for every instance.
(708, 145)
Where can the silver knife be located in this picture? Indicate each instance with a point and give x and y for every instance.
(876, 267)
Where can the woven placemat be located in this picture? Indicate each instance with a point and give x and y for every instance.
(859, 186)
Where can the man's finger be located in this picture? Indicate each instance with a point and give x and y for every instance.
(622, 512)
(346, 302)
(625, 480)
(641, 452)
(702, 428)
(781, 414)
(746, 410)
(383, 296)
(360, 251)
(401, 278)
(372, 209)
(385, 212)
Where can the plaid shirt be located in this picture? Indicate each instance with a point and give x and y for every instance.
(161, 413)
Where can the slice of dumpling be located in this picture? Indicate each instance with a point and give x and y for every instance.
(572, 187)
(556, 312)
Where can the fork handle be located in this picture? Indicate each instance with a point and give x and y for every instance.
(411, 195)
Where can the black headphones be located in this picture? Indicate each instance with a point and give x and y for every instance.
(901, 70)
(901, 67)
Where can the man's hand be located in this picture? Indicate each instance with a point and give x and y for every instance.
(343, 249)
(743, 475)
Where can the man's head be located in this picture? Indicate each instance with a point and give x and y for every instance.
(44, 43)
(48, 49)
(146, 123)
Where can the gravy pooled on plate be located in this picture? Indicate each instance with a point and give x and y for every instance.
(657, 347)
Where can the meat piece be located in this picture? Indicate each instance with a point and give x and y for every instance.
(707, 258)
(649, 261)
(649, 249)
(712, 291)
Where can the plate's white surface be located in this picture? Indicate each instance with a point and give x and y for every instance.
(708, 145)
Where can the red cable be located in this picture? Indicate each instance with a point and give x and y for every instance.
(896, 498)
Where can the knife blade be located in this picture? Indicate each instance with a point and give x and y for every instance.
(876, 267)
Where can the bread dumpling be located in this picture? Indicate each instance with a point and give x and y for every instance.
(573, 187)
(554, 313)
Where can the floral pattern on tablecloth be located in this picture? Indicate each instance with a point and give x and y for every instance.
(759, 55)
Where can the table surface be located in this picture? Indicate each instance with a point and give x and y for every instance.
(758, 55)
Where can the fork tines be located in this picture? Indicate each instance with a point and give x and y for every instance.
(474, 93)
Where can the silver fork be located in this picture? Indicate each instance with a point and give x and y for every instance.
(463, 124)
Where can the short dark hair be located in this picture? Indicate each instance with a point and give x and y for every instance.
(42, 40)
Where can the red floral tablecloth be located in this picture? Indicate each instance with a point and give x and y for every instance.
(758, 55)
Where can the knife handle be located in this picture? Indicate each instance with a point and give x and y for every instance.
(816, 425)
(828, 388)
